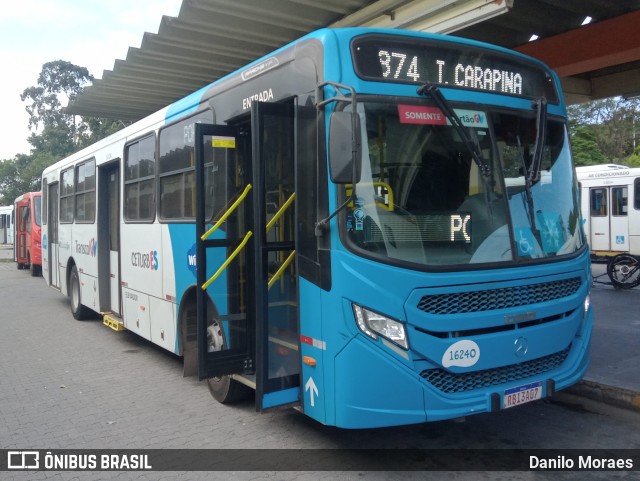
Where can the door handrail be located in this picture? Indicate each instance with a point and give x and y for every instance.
(281, 211)
(229, 260)
(229, 211)
(281, 270)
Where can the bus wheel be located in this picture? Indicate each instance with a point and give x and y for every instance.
(223, 388)
(624, 271)
(35, 270)
(19, 266)
(79, 311)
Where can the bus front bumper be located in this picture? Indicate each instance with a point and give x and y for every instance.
(375, 390)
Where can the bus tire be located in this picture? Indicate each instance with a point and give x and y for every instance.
(79, 311)
(624, 271)
(35, 270)
(224, 389)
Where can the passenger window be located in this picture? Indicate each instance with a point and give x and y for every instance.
(85, 201)
(176, 167)
(139, 180)
(66, 195)
(619, 197)
(598, 202)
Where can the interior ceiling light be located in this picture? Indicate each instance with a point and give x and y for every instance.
(533, 37)
(586, 20)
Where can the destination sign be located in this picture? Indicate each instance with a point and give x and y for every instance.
(418, 61)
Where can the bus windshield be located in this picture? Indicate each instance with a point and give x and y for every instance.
(422, 199)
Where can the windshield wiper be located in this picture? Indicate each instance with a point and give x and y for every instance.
(532, 172)
(531, 210)
(471, 144)
(541, 136)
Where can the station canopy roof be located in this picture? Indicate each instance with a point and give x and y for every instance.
(211, 38)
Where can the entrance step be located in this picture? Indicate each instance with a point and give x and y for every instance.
(114, 322)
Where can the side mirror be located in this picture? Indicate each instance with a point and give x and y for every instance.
(343, 141)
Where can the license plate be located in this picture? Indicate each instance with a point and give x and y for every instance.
(516, 396)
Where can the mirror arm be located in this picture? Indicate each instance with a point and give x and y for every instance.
(321, 225)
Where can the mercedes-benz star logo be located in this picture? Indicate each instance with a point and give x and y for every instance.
(521, 346)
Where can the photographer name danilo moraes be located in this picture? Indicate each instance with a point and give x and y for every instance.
(579, 462)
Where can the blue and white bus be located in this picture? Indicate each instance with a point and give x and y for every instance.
(380, 227)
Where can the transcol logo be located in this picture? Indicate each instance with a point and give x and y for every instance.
(90, 249)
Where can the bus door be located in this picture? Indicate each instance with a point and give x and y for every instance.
(52, 234)
(3, 229)
(261, 335)
(109, 236)
(23, 230)
(609, 221)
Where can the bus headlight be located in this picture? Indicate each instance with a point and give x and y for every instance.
(585, 314)
(587, 304)
(374, 324)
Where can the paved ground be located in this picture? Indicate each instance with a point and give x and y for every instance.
(614, 372)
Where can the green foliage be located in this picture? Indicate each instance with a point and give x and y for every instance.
(586, 150)
(604, 131)
(634, 159)
(55, 133)
(58, 78)
(94, 129)
(17, 176)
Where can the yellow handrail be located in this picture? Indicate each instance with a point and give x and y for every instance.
(228, 212)
(280, 271)
(278, 214)
(229, 260)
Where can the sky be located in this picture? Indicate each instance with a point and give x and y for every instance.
(87, 33)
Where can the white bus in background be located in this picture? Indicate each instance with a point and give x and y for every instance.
(610, 204)
(6, 224)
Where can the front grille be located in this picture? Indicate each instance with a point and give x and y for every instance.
(453, 383)
(492, 299)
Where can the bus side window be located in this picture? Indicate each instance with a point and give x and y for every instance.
(598, 202)
(24, 219)
(176, 169)
(85, 196)
(619, 201)
(67, 195)
(139, 180)
(636, 194)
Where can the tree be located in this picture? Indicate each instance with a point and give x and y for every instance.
(634, 159)
(55, 133)
(95, 128)
(586, 150)
(603, 131)
(17, 176)
(57, 78)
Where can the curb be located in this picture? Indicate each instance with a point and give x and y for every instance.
(614, 396)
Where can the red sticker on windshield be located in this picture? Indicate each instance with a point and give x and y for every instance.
(415, 114)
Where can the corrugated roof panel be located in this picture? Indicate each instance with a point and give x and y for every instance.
(211, 38)
(208, 39)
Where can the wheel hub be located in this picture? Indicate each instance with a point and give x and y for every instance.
(214, 337)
